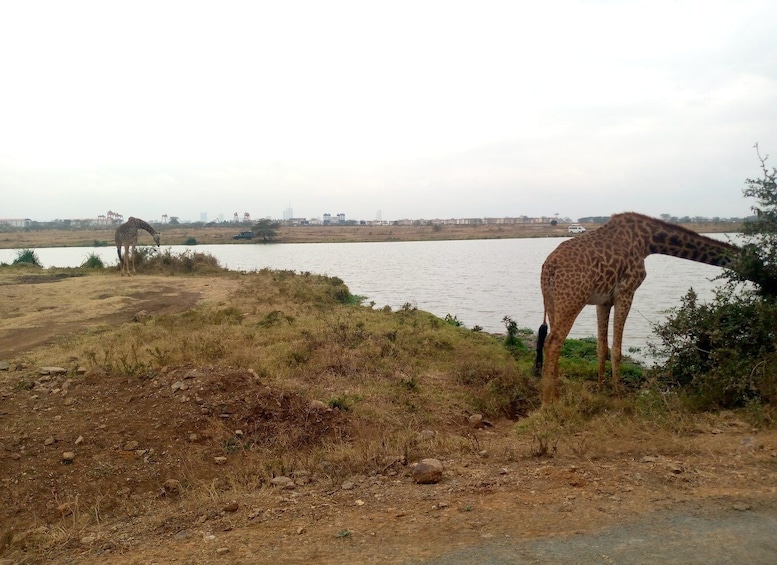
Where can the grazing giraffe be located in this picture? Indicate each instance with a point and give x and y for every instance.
(127, 236)
(605, 267)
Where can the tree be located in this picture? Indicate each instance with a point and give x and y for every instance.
(758, 260)
(267, 229)
(724, 354)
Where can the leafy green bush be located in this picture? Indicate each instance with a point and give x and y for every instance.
(724, 354)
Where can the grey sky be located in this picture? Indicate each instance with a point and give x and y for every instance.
(417, 109)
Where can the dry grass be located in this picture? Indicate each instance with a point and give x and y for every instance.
(284, 374)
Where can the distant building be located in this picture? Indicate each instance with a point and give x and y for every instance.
(327, 219)
(340, 218)
(15, 222)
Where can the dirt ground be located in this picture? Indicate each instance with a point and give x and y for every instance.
(137, 444)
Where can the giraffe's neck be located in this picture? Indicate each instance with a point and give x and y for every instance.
(143, 225)
(677, 241)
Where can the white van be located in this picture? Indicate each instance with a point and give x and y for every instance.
(576, 228)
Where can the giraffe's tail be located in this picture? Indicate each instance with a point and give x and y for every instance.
(542, 333)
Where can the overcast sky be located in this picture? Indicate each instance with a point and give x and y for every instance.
(414, 109)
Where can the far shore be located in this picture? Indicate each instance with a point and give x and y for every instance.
(178, 235)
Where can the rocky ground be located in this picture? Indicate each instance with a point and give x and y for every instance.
(152, 469)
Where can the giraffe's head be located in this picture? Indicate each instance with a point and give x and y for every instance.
(156, 239)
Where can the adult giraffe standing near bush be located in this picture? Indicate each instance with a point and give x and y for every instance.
(127, 236)
(605, 267)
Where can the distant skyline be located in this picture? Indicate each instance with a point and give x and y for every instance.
(422, 109)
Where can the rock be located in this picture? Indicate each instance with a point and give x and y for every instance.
(649, 459)
(131, 446)
(751, 443)
(4, 366)
(222, 551)
(48, 441)
(220, 460)
(475, 420)
(427, 471)
(79, 440)
(348, 485)
(172, 487)
(140, 316)
(426, 435)
(52, 371)
(231, 507)
(68, 457)
(179, 385)
(318, 406)
(282, 482)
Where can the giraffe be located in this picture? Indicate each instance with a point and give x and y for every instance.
(127, 236)
(605, 267)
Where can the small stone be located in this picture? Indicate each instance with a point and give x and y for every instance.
(282, 482)
(426, 435)
(427, 471)
(48, 441)
(649, 459)
(318, 406)
(52, 371)
(69, 401)
(172, 487)
(222, 551)
(751, 443)
(131, 446)
(348, 485)
(220, 460)
(79, 440)
(475, 420)
(68, 457)
(179, 385)
(194, 438)
(676, 468)
(140, 316)
(359, 503)
(231, 507)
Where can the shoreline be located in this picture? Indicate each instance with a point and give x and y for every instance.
(178, 235)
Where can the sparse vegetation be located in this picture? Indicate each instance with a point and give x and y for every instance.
(27, 257)
(93, 261)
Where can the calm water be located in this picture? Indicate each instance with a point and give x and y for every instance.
(479, 281)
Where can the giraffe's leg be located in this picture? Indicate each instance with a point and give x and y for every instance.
(133, 259)
(603, 324)
(622, 307)
(558, 333)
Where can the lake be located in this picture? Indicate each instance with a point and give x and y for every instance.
(478, 281)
